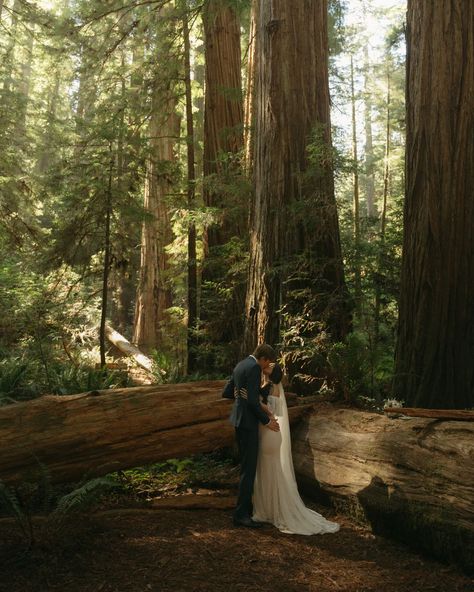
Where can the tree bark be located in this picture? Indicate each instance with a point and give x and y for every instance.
(411, 479)
(249, 105)
(222, 291)
(104, 431)
(192, 254)
(132, 165)
(106, 264)
(154, 293)
(435, 347)
(294, 227)
(223, 113)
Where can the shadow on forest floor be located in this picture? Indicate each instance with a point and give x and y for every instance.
(198, 550)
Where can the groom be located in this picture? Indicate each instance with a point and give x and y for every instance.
(246, 414)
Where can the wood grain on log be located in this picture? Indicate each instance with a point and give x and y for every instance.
(410, 478)
(101, 431)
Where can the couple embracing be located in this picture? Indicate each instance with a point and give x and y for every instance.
(267, 489)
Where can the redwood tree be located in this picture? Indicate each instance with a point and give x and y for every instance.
(223, 109)
(435, 348)
(295, 258)
(223, 272)
(154, 292)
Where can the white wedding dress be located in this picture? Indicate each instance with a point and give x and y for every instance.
(276, 499)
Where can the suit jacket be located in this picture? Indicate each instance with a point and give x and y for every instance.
(244, 388)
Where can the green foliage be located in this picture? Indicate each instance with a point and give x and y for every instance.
(17, 381)
(177, 475)
(82, 497)
(48, 325)
(23, 379)
(222, 304)
(336, 11)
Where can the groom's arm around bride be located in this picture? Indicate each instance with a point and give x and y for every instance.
(250, 394)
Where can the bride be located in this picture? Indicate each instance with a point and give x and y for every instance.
(276, 499)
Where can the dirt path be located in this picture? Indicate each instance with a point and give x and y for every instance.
(164, 550)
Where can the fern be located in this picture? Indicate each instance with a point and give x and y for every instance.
(82, 496)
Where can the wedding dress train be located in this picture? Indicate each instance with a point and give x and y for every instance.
(276, 499)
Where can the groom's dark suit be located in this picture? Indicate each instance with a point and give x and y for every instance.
(246, 414)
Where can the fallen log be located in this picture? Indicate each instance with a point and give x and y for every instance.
(449, 414)
(130, 350)
(411, 479)
(101, 431)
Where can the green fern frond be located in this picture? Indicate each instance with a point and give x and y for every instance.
(83, 496)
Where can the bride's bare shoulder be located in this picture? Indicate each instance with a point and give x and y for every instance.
(275, 392)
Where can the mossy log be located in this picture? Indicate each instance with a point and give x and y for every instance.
(410, 478)
(102, 431)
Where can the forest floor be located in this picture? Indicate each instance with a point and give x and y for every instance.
(161, 549)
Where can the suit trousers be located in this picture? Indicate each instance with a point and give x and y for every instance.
(247, 441)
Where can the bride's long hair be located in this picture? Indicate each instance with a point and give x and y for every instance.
(276, 375)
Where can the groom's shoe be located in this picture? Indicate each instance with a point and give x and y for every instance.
(247, 522)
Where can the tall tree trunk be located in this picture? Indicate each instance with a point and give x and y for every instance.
(222, 289)
(121, 288)
(132, 165)
(249, 106)
(192, 256)
(436, 326)
(223, 111)
(154, 294)
(356, 200)
(134, 154)
(106, 268)
(369, 148)
(295, 244)
(386, 173)
(383, 217)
